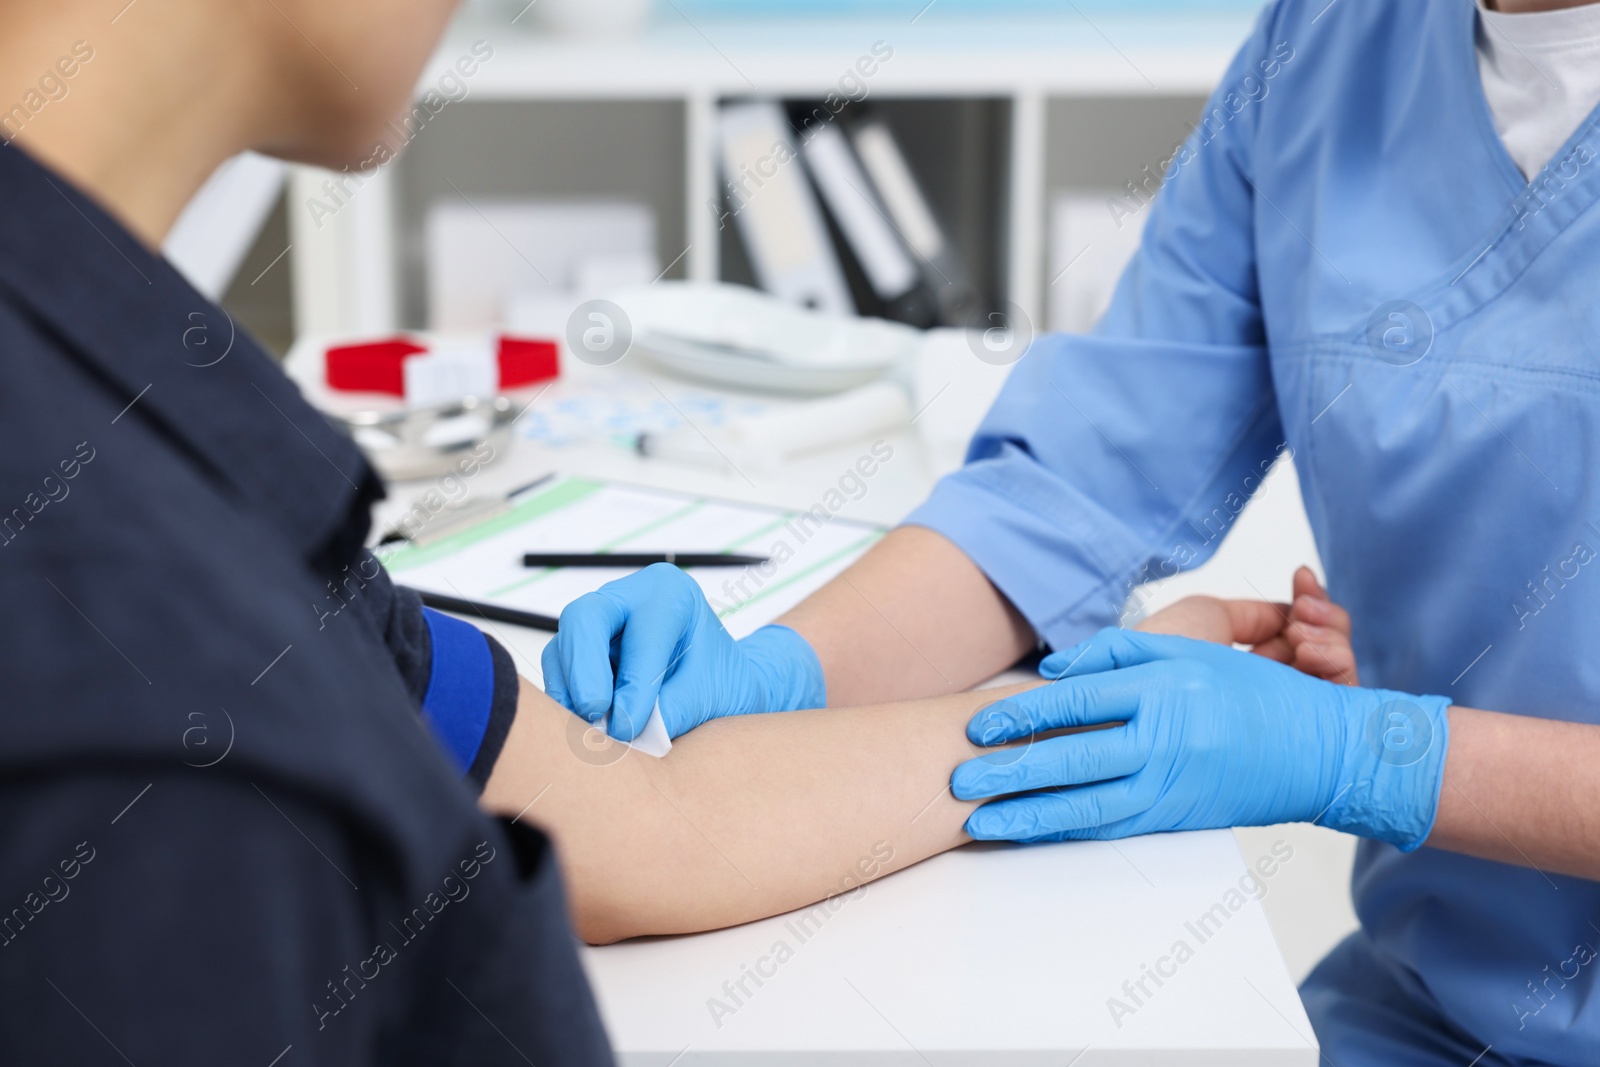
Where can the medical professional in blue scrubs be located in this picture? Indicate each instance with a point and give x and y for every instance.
(1380, 249)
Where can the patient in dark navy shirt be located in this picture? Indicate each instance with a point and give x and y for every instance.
(216, 797)
(230, 830)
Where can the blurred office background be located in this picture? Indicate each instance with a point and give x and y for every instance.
(563, 148)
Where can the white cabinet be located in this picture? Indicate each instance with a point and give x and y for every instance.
(995, 113)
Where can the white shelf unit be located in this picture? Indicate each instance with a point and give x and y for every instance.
(1085, 104)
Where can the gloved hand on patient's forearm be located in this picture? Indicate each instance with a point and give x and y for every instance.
(1212, 737)
(651, 636)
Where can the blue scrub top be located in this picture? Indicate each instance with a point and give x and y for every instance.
(1346, 265)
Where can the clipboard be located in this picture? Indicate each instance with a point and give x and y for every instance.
(482, 563)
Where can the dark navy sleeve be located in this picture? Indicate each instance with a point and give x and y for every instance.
(131, 893)
(463, 679)
(190, 917)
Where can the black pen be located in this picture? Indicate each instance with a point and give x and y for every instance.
(490, 612)
(639, 559)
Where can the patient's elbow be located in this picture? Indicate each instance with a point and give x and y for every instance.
(599, 929)
(602, 916)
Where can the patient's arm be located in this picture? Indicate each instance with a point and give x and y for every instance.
(747, 816)
(755, 815)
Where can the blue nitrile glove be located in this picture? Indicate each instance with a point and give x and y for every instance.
(653, 635)
(1212, 738)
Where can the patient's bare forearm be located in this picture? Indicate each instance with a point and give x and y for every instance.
(746, 817)
(914, 617)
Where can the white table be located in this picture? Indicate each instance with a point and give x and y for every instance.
(986, 955)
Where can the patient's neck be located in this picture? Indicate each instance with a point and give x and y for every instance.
(156, 99)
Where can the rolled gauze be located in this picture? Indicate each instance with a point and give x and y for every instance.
(881, 407)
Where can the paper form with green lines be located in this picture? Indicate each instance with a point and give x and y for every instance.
(483, 562)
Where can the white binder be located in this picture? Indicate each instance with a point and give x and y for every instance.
(914, 220)
(772, 203)
(850, 195)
